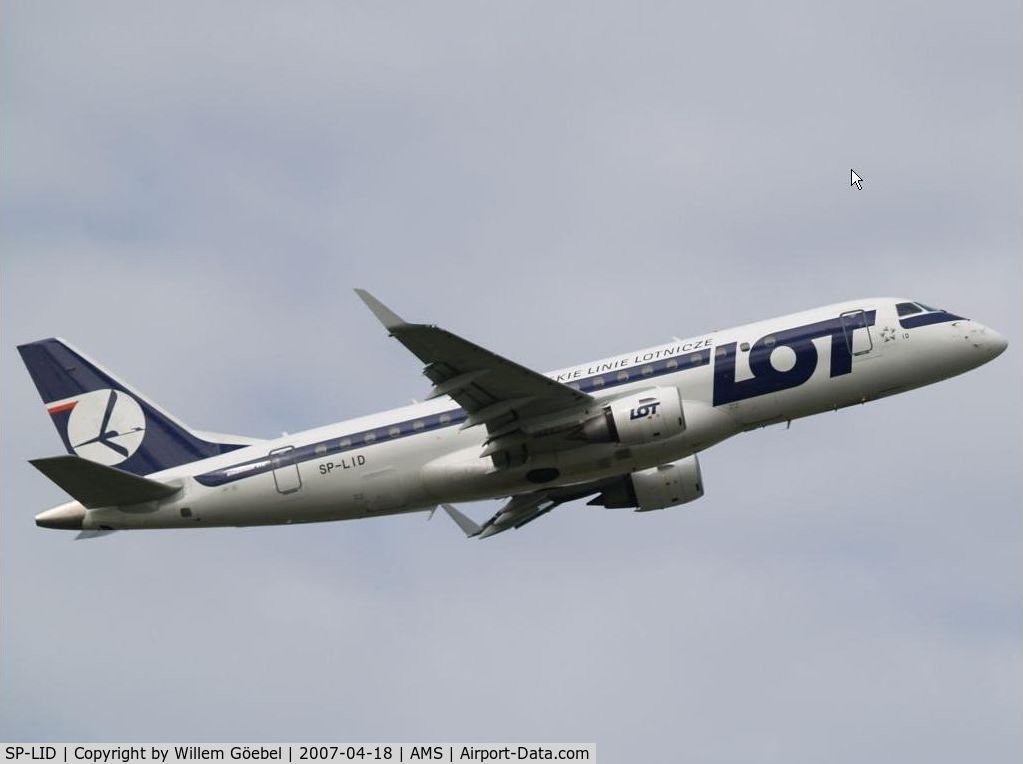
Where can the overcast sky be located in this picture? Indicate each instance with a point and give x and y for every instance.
(190, 191)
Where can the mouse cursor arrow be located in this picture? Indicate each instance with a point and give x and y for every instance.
(855, 180)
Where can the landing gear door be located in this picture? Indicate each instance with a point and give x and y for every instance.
(286, 476)
(385, 490)
(857, 332)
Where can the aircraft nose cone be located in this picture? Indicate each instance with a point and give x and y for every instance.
(995, 343)
(987, 341)
(66, 517)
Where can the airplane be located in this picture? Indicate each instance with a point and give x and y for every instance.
(624, 430)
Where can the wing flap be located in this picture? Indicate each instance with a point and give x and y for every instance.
(455, 384)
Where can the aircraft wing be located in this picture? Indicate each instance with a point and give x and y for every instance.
(518, 511)
(494, 391)
(525, 507)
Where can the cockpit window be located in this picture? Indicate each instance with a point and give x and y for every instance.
(928, 307)
(907, 309)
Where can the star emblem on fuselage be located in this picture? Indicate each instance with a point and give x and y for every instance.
(888, 334)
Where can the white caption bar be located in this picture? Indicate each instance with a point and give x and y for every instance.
(297, 753)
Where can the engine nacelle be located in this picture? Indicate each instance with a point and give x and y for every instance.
(644, 417)
(666, 485)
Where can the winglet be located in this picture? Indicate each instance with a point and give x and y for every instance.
(85, 535)
(469, 528)
(385, 315)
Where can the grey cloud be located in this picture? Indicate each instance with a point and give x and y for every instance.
(191, 192)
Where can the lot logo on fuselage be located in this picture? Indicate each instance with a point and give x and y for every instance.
(106, 426)
(766, 378)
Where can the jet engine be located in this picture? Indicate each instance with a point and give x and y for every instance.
(666, 485)
(643, 417)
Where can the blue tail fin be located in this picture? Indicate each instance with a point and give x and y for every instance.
(102, 419)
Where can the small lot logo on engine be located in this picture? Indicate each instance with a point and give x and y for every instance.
(647, 409)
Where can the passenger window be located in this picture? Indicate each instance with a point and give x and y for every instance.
(623, 376)
(744, 347)
(394, 432)
(445, 419)
(321, 449)
(345, 443)
(597, 381)
(907, 309)
(648, 370)
(417, 426)
(370, 437)
(671, 364)
(770, 341)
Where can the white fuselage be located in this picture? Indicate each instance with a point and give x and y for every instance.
(415, 457)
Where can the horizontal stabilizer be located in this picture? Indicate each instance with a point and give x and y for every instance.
(96, 485)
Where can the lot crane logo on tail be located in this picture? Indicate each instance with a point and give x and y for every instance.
(105, 426)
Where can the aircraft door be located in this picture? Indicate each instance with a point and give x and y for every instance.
(857, 333)
(286, 476)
